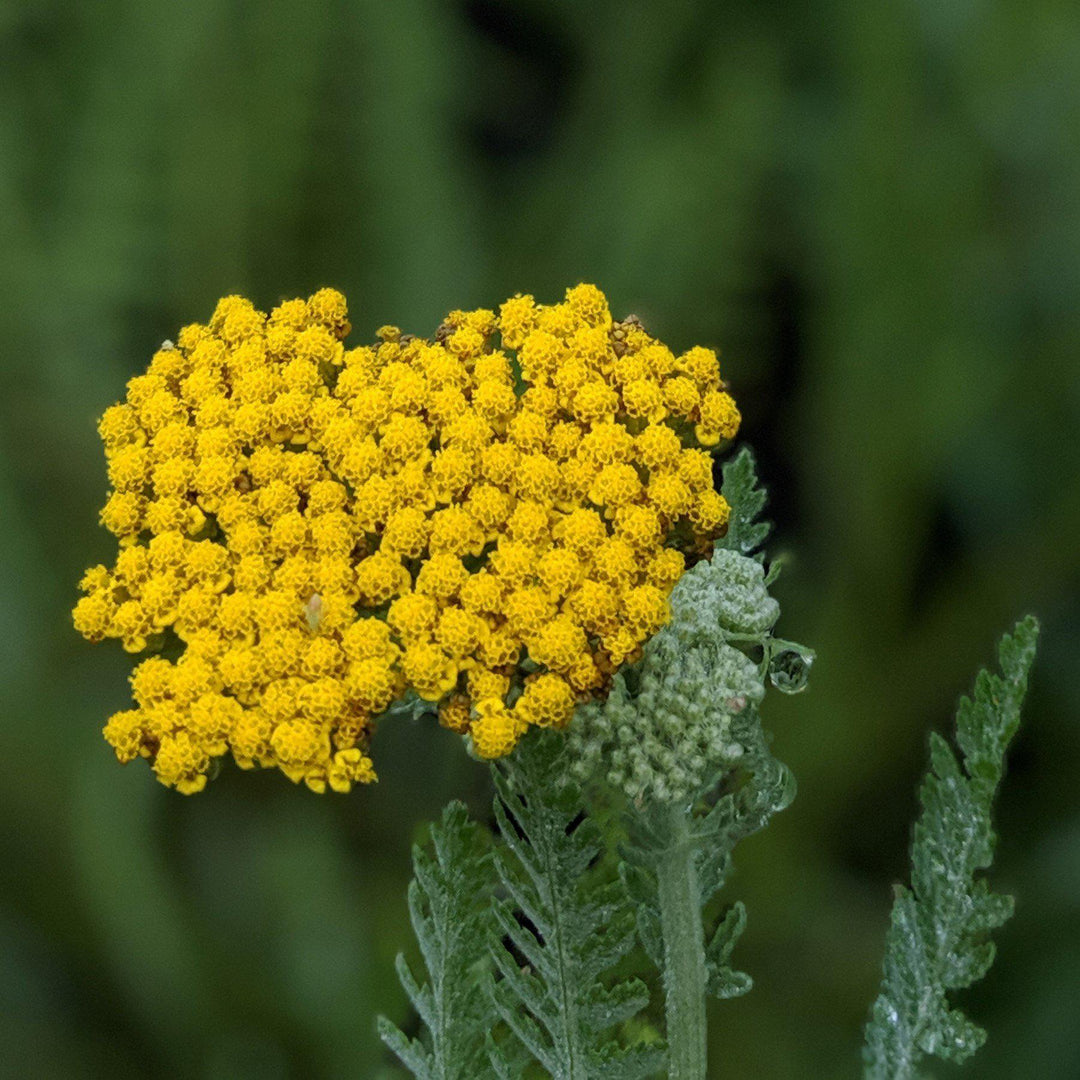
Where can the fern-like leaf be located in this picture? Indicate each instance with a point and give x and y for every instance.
(747, 499)
(560, 932)
(449, 898)
(938, 937)
(758, 788)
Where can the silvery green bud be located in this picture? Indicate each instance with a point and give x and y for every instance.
(728, 590)
(666, 729)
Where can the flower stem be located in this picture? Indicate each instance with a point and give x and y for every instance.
(684, 951)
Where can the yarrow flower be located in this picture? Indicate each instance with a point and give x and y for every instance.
(490, 521)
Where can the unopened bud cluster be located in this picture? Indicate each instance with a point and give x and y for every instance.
(665, 729)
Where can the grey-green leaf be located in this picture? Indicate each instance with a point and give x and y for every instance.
(747, 499)
(448, 902)
(569, 926)
(937, 939)
(760, 787)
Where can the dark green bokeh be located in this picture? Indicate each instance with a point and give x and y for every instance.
(873, 209)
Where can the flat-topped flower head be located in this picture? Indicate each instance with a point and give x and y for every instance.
(490, 522)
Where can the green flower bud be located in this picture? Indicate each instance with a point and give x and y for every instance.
(728, 590)
(671, 722)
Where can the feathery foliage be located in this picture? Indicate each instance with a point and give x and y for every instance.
(938, 937)
(448, 904)
(569, 926)
(787, 662)
(760, 787)
(747, 500)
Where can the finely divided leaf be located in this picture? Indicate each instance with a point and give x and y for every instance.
(747, 499)
(758, 788)
(937, 941)
(448, 901)
(560, 931)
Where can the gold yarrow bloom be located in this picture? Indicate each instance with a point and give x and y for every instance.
(491, 521)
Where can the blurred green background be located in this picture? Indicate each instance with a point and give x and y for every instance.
(874, 209)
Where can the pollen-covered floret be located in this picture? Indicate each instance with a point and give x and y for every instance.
(491, 522)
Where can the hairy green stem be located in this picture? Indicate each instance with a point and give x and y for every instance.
(684, 951)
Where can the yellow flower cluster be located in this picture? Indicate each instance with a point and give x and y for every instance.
(492, 520)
